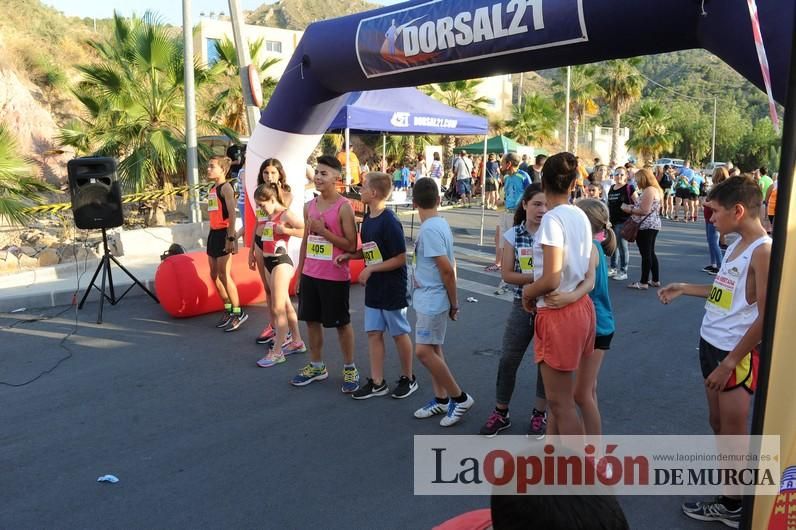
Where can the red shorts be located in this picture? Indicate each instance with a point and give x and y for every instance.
(563, 336)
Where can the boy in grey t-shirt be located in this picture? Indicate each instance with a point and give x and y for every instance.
(433, 281)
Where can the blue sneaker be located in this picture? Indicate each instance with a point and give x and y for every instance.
(350, 380)
(308, 374)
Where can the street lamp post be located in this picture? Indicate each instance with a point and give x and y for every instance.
(190, 115)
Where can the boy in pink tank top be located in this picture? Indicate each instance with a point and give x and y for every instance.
(329, 231)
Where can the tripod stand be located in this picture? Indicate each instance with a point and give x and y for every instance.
(105, 266)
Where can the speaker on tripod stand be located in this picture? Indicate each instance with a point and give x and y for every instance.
(97, 204)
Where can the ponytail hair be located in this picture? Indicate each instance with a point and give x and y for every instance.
(597, 212)
(268, 191)
(527, 195)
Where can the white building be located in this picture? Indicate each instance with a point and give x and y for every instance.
(599, 141)
(277, 43)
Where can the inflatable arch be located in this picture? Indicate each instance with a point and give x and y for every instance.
(425, 41)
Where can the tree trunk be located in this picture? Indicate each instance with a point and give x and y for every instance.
(409, 147)
(615, 138)
(573, 142)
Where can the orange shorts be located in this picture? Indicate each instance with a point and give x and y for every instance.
(563, 336)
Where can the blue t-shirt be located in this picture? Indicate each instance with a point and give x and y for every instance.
(600, 298)
(697, 180)
(385, 290)
(434, 239)
(526, 179)
(492, 170)
(513, 186)
(687, 172)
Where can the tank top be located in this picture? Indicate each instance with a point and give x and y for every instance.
(727, 313)
(271, 240)
(772, 200)
(217, 208)
(319, 259)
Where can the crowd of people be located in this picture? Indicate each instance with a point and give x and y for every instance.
(561, 237)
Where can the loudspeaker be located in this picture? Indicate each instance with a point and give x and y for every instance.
(96, 194)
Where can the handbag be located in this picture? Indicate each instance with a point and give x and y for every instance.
(631, 227)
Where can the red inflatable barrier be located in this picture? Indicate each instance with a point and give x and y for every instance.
(184, 288)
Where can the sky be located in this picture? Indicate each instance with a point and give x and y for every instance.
(170, 10)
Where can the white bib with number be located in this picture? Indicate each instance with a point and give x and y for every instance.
(319, 248)
(525, 256)
(268, 231)
(212, 201)
(371, 253)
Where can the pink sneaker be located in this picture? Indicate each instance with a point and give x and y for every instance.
(267, 335)
(292, 347)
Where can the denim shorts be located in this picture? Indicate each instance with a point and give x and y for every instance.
(394, 321)
(430, 329)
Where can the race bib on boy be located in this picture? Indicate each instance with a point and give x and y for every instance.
(212, 201)
(371, 253)
(525, 256)
(268, 232)
(721, 294)
(319, 248)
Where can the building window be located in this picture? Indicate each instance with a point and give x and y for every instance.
(273, 46)
(212, 51)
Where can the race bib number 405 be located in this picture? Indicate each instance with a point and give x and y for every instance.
(371, 253)
(319, 248)
(526, 260)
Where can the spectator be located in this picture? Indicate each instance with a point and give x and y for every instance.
(645, 211)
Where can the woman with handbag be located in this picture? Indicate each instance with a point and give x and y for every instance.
(646, 218)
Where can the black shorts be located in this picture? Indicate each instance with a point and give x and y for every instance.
(490, 185)
(603, 342)
(745, 373)
(682, 193)
(272, 260)
(323, 301)
(216, 243)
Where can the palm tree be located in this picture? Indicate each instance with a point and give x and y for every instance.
(462, 95)
(533, 121)
(651, 132)
(622, 84)
(226, 106)
(584, 91)
(134, 102)
(18, 188)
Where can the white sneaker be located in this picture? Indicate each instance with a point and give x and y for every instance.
(611, 273)
(620, 276)
(456, 411)
(432, 408)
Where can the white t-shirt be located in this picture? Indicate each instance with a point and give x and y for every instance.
(463, 168)
(566, 227)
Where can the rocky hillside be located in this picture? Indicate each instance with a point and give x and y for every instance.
(298, 14)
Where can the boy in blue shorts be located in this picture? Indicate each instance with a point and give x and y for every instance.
(384, 278)
(435, 301)
(732, 327)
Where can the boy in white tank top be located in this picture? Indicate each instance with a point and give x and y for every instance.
(733, 324)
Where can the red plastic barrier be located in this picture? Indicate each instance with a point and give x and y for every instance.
(184, 288)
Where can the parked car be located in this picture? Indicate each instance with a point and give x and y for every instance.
(675, 162)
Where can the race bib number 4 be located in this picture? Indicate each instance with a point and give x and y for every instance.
(526, 260)
(319, 248)
(371, 253)
(721, 294)
(268, 232)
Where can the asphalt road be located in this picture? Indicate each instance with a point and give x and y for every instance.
(201, 438)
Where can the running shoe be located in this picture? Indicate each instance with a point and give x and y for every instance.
(224, 320)
(714, 510)
(405, 387)
(713, 271)
(432, 408)
(371, 389)
(611, 273)
(267, 335)
(272, 358)
(237, 320)
(538, 427)
(350, 380)
(308, 374)
(620, 276)
(456, 411)
(707, 268)
(291, 347)
(495, 423)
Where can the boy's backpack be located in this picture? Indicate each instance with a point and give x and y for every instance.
(666, 181)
